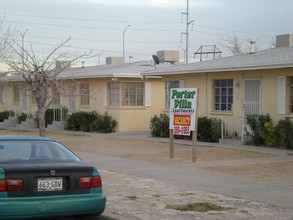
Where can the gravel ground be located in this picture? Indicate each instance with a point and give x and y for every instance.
(145, 199)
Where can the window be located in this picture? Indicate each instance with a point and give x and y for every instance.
(114, 94)
(56, 95)
(126, 94)
(132, 94)
(84, 94)
(16, 94)
(33, 99)
(291, 94)
(168, 86)
(223, 95)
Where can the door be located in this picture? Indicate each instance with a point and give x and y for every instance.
(251, 100)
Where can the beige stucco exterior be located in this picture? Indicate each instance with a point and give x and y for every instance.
(137, 118)
(130, 118)
(268, 88)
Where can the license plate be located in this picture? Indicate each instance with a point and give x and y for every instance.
(50, 184)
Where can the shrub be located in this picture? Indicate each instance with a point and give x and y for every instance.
(269, 134)
(49, 116)
(4, 115)
(285, 132)
(159, 125)
(80, 121)
(209, 129)
(257, 126)
(22, 117)
(104, 124)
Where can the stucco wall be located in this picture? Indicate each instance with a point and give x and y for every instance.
(269, 92)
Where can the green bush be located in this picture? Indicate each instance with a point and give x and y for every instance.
(285, 132)
(209, 129)
(257, 126)
(104, 124)
(80, 121)
(22, 117)
(4, 115)
(159, 125)
(49, 116)
(269, 134)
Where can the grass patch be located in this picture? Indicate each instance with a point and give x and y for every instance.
(187, 194)
(132, 198)
(199, 207)
(157, 196)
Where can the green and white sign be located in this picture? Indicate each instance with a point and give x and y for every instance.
(183, 103)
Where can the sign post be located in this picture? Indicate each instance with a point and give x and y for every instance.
(183, 116)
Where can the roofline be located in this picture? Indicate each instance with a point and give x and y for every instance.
(264, 67)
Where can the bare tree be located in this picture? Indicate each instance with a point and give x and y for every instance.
(40, 74)
(234, 45)
(6, 36)
(237, 46)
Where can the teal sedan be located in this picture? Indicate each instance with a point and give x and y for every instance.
(40, 177)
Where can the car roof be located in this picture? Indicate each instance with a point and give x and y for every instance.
(23, 138)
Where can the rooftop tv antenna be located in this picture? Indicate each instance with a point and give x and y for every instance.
(210, 49)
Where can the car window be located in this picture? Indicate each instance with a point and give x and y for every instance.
(13, 151)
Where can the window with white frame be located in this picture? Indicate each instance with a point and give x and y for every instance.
(114, 91)
(84, 94)
(126, 94)
(223, 94)
(132, 94)
(168, 86)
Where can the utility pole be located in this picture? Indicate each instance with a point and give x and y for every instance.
(187, 30)
(124, 42)
(100, 56)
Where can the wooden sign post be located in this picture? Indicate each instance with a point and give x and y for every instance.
(183, 116)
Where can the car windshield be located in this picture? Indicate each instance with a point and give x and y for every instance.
(30, 151)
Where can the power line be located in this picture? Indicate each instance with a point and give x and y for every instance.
(95, 20)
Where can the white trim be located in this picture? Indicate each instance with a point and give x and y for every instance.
(148, 94)
(105, 94)
(281, 95)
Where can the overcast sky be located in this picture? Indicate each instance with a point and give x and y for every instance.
(154, 24)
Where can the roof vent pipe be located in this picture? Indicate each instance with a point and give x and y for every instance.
(252, 46)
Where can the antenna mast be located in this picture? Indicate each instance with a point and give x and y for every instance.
(187, 30)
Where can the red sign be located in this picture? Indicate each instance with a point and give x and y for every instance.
(182, 120)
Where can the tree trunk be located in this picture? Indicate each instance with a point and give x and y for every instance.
(42, 126)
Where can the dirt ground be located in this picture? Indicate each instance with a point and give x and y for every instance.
(158, 152)
(143, 198)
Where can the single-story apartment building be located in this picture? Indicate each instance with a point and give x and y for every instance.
(118, 89)
(229, 88)
(232, 87)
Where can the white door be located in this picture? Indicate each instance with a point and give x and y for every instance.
(251, 100)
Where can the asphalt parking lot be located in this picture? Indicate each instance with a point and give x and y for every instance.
(140, 179)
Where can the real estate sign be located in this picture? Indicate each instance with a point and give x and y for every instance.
(183, 103)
